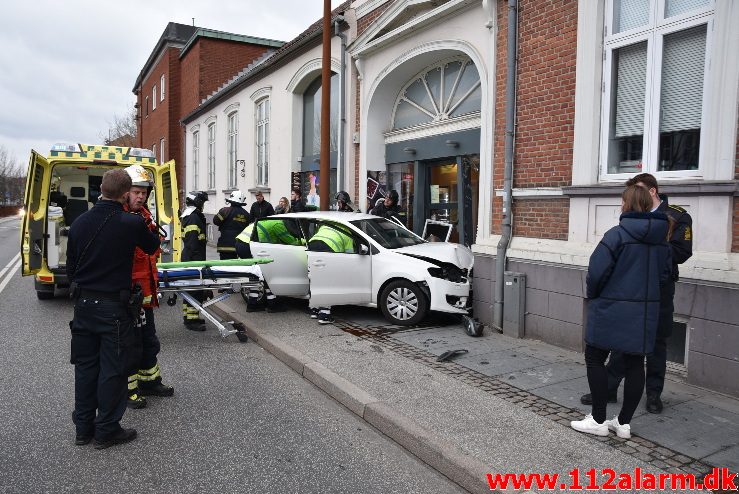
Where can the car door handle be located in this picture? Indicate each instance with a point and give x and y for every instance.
(262, 253)
(319, 264)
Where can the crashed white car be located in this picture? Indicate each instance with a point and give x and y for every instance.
(391, 267)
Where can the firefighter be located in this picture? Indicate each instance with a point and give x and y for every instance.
(193, 249)
(231, 220)
(147, 381)
(387, 207)
(329, 238)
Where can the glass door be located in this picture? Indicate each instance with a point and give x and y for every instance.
(442, 195)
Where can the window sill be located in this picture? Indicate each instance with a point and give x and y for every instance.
(259, 188)
(211, 192)
(229, 190)
(723, 188)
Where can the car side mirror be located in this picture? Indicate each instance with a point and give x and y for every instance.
(363, 249)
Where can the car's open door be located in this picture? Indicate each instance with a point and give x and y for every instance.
(34, 218)
(288, 274)
(338, 278)
(167, 211)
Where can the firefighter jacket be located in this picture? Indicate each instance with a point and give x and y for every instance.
(193, 235)
(145, 266)
(681, 239)
(230, 221)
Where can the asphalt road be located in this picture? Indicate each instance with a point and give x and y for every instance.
(240, 420)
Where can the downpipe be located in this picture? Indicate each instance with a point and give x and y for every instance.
(510, 125)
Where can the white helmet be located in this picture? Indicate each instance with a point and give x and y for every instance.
(237, 197)
(140, 176)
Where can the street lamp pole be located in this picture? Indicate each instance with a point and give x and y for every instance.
(324, 165)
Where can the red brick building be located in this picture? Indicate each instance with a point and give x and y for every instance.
(187, 64)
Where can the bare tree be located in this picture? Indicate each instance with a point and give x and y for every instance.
(122, 130)
(12, 179)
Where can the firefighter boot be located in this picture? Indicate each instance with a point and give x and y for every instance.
(150, 383)
(135, 400)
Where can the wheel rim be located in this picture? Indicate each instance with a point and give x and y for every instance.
(402, 304)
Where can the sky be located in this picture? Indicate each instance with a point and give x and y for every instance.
(68, 67)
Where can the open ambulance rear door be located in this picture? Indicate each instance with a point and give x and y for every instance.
(33, 234)
(167, 211)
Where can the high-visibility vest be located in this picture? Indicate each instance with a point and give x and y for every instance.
(274, 232)
(144, 271)
(245, 235)
(336, 240)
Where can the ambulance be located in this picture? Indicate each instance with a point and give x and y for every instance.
(65, 184)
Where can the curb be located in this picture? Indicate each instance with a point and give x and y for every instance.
(444, 457)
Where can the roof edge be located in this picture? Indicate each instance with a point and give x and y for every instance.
(239, 38)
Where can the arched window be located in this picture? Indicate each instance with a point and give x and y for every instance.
(312, 117)
(232, 147)
(261, 117)
(447, 90)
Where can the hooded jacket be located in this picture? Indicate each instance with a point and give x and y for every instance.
(625, 274)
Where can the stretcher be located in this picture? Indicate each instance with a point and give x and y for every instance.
(222, 277)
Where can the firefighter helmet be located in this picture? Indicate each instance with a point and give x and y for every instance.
(196, 198)
(140, 176)
(237, 198)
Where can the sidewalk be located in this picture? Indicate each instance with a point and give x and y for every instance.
(503, 407)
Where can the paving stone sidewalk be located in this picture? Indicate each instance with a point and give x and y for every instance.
(698, 428)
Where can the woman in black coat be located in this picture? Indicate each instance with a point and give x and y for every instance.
(625, 275)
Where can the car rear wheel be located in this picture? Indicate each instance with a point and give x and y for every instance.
(403, 303)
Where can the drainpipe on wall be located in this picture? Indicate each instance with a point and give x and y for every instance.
(340, 169)
(510, 125)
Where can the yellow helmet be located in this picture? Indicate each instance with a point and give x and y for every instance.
(140, 176)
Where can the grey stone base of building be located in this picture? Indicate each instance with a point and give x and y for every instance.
(554, 312)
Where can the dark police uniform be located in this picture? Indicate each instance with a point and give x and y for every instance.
(99, 261)
(681, 246)
(231, 221)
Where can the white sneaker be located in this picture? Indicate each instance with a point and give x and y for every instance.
(590, 426)
(621, 430)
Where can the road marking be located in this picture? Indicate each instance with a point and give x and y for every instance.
(10, 275)
(2, 272)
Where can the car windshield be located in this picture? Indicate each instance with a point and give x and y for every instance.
(388, 234)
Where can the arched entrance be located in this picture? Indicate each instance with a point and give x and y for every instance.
(432, 147)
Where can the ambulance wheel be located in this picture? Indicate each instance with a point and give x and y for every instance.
(44, 295)
(403, 303)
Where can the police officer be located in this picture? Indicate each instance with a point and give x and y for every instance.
(100, 252)
(193, 249)
(329, 238)
(344, 202)
(387, 207)
(147, 381)
(681, 245)
(231, 221)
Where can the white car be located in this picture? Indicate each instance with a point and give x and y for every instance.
(390, 266)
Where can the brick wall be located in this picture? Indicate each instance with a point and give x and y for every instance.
(545, 112)
(364, 22)
(156, 125)
(541, 218)
(357, 118)
(190, 80)
(735, 243)
(220, 60)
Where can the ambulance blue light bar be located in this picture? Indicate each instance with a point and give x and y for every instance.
(141, 153)
(65, 147)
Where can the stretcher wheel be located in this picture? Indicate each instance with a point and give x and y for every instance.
(242, 337)
(240, 332)
(172, 300)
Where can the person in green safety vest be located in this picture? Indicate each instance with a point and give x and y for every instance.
(254, 300)
(273, 231)
(329, 238)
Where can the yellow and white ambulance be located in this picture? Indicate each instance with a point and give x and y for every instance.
(65, 184)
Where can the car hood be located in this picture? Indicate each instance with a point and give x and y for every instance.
(440, 252)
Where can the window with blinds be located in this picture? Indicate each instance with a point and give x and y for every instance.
(655, 66)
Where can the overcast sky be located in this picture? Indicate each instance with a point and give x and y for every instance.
(67, 67)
